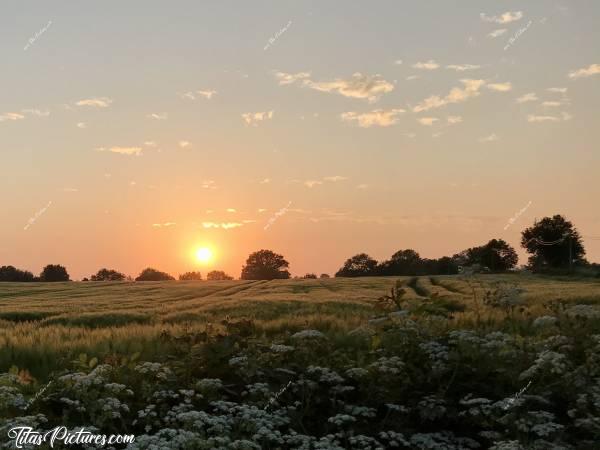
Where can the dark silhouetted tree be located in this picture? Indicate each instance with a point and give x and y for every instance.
(551, 242)
(361, 265)
(403, 262)
(218, 275)
(10, 273)
(190, 276)
(324, 275)
(53, 273)
(497, 255)
(107, 275)
(265, 265)
(310, 275)
(151, 274)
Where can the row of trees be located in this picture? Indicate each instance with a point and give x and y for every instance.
(552, 242)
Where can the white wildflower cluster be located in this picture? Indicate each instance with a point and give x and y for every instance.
(549, 362)
(239, 361)
(11, 397)
(158, 370)
(476, 407)
(206, 385)
(540, 423)
(341, 420)
(83, 381)
(356, 373)
(544, 322)
(280, 348)
(389, 365)
(308, 334)
(438, 355)
(586, 311)
(325, 375)
(431, 408)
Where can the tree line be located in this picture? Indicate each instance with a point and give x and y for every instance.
(552, 242)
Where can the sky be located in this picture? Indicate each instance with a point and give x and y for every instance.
(133, 133)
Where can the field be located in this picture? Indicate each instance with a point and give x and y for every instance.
(445, 353)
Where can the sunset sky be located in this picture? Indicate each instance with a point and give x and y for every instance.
(133, 133)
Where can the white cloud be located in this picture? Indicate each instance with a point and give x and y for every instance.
(454, 119)
(360, 86)
(81, 125)
(165, 225)
(184, 144)
(335, 178)
(255, 118)
(507, 17)
(208, 184)
(162, 116)
(150, 144)
(412, 77)
(398, 62)
(492, 137)
(551, 103)
(261, 210)
(593, 69)
(377, 117)
(362, 186)
(223, 225)
(130, 151)
(290, 78)
(427, 121)
(533, 118)
(312, 183)
(69, 189)
(566, 116)
(208, 94)
(497, 33)
(529, 97)
(97, 102)
(231, 210)
(265, 181)
(559, 90)
(456, 95)
(463, 67)
(11, 116)
(428, 65)
(500, 87)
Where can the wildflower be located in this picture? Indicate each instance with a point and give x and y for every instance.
(308, 334)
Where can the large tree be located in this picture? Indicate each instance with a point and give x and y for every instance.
(265, 265)
(553, 242)
(361, 265)
(403, 262)
(497, 255)
(107, 275)
(150, 274)
(54, 272)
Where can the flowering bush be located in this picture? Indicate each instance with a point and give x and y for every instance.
(410, 382)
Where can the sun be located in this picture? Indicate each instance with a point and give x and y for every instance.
(204, 255)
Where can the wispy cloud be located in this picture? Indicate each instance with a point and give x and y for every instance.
(454, 119)
(427, 121)
(37, 112)
(585, 72)
(536, 119)
(11, 116)
(462, 67)
(428, 65)
(312, 183)
(360, 86)
(97, 102)
(398, 62)
(81, 125)
(193, 95)
(162, 116)
(560, 90)
(491, 138)
(456, 95)
(223, 225)
(500, 87)
(497, 33)
(507, 17)
(529, 97)
(164, 225)
(184, 144)
(255, 118)
(377, 117)
(335, 178)
(265, 181)
(552, 104)
(129, 151)
(290, 78)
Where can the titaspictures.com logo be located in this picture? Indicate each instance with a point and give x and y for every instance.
(28, 436)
